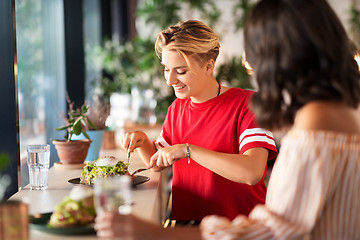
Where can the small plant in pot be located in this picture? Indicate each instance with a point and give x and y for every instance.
(74, 151)
(97, 114)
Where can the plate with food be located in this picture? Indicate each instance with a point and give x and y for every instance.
(136, 180)
(106, 167)
(75, 214)
(40, 222)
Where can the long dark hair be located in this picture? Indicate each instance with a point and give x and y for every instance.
(299, 52)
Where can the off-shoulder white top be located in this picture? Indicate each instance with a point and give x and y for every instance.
(314, 193)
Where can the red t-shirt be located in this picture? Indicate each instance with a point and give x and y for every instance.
(223, 124)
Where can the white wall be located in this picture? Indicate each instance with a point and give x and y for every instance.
(342, 9)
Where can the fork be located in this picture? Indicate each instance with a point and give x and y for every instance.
(141, 170)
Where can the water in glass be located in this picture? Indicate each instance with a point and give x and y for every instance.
(38, 160)
(113, 194)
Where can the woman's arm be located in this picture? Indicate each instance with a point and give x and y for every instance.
(303, 184)
(112, 225)
(245, 168)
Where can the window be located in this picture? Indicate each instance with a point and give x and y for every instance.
(41, 73)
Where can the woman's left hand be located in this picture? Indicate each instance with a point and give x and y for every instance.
(111, 225)
(167, 156)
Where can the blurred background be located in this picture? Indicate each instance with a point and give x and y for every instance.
(101, 52)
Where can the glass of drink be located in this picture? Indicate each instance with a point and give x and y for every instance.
(113, 194)
(38, 160)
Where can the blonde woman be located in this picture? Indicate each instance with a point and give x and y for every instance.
(209, 136)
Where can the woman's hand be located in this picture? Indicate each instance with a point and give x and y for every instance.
(131, 140)
(139, 140)
(111, 225)
(165, 157)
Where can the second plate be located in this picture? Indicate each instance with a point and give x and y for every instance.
(40, 222)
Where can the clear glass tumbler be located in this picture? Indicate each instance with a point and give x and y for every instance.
(113, 194)
(38, 160)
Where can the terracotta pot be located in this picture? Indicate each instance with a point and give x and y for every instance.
(97, 137)
(73, 152)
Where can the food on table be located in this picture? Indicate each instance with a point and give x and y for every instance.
(102, 167)
(76, 209)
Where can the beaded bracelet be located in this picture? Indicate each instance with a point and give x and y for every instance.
(188, 152)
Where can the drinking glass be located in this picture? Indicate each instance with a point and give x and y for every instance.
(113, 194)
(38, 160)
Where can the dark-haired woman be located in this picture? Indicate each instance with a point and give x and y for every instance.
(309, 82)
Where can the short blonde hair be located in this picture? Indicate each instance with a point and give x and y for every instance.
(191, 38)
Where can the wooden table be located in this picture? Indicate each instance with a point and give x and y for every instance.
(146, 197)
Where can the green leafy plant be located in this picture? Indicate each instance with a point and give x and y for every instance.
(134, 62)
(170, 11)
(355, 25)
(4, 161)
(241, 11)
(5, 179)
(77, 122)
(234, 73)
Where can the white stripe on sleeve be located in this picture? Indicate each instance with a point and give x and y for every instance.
(252, 131)
(256, 135)
(161, 141)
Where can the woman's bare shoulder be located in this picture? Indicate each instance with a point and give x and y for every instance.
(326, 115)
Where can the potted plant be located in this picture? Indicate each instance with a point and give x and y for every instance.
(74, 151)
(97, 115)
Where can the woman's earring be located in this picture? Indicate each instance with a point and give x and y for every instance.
(287, 97)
